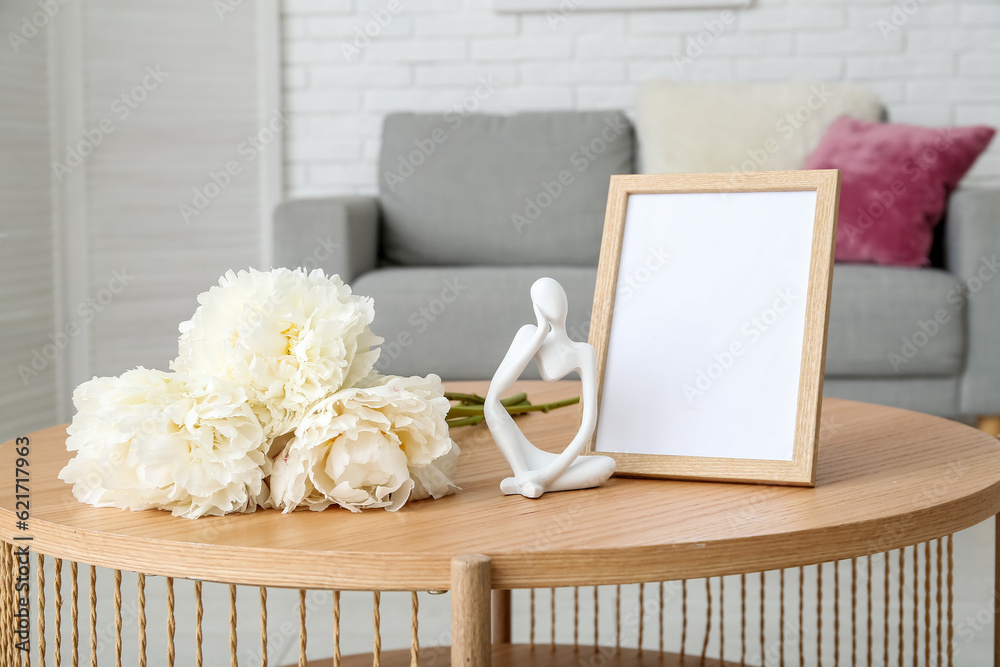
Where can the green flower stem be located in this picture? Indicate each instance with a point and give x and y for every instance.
(476, 399)
(464, 398)
(545, 407)
(467, 415)
(516, 399)
(466, 410)
(465, 421)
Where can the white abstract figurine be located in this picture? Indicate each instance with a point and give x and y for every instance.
(537, 471)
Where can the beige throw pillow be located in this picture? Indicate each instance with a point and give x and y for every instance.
(712, 127)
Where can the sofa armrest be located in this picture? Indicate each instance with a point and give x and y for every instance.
(972, 253)
(336, 234)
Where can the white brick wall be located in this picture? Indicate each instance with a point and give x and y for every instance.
(938, 65)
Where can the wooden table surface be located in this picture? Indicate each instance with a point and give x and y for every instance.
(886, 478)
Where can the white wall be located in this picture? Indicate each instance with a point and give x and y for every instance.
(938, 64)
(27, 280)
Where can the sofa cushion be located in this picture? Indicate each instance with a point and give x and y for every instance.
(894, 184)
(459, 321)
(895, 322)
(527, 189)
(936, 395)
(711, 127)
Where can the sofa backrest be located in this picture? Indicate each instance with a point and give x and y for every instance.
(525, 189)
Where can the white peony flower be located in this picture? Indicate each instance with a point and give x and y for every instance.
(288, 337)
(434, 480)
(156, 440)
(369, 447)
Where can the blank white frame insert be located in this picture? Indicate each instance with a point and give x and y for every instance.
(710, 324)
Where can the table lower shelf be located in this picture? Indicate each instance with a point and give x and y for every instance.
(522, 655)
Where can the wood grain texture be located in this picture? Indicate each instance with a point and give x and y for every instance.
(886, 478)
(501, 617)
(522, 655)
(813, 365)
(801, 470)
(470, 611)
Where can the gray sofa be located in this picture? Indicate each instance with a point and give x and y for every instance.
(472, 210)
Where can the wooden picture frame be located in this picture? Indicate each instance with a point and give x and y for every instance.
(684, 390)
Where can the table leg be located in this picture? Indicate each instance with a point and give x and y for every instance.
(470, 611)
(990, 424)
(6, 606)
(501, 617)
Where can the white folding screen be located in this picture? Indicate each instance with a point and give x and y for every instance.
(163, 165)
(28, 352)
(165, 217)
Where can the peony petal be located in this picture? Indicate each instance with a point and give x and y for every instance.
(167, 441)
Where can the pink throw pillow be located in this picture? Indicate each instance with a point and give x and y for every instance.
(894, 184)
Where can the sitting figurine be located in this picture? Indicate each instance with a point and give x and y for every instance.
(537, 471)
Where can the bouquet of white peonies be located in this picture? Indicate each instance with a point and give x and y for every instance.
(271, 402)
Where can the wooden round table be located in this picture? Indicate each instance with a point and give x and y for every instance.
(886, 479)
